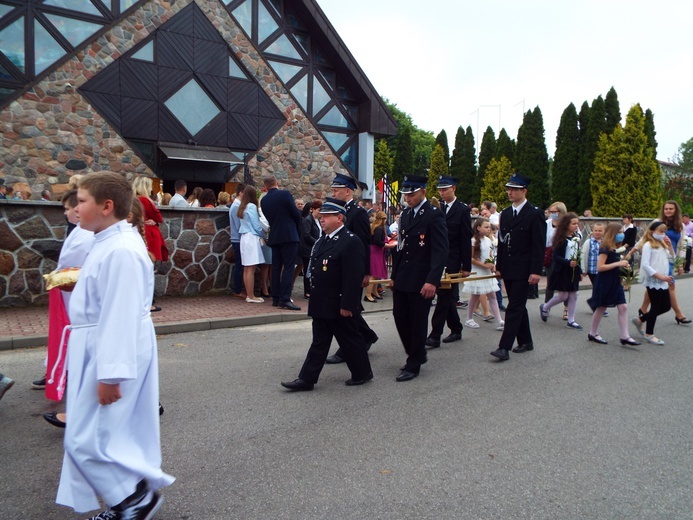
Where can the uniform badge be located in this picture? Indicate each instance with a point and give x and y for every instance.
(422, 236)
(324, 264)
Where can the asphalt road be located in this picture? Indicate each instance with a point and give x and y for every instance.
(570, 430)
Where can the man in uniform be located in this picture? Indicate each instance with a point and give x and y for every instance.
(459, 223)
(357, 222)
(336, 271)
(521, 244)
(416, 273)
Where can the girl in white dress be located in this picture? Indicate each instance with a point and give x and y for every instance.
(484, 263)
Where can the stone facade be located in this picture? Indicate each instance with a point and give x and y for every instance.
(52, 123)
(32, 234)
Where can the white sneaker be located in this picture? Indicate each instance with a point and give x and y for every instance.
(254, 300)
(501, 326)
(471, 324)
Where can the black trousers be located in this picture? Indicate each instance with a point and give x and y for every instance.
(445, 311)
(687, 266)
(410, 311)
(351, 344)
(516, 317)
(306, 279)
(368, 334)
(283, 262)
(660, 302)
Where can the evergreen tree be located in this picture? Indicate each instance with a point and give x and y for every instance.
(465, 190)
(456, 157)
(382, 162)
(531, 157)
(678, 181)
(438, 167)
(421, 142)
(498, 171)
(650, 131)
(596, 124)
(442, 140)
(565, 164)
(404, 160)
(626, 177)
(612, 111)
(486, 153)
(504, 146)
(583, 119)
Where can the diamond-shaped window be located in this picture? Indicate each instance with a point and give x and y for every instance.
(192, 107)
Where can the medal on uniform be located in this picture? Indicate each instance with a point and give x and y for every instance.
(422, 236)
(324, 264)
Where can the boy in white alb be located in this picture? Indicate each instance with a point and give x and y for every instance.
(111, 442)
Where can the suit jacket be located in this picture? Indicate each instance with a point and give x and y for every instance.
(283, 216)
(521, 243)
(459, 222)
(336, 272)
(423, 249)
(357, 222)
(309, 235)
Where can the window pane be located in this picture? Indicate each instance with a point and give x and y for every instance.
(300, 91)
(192, 106)
(266, 23)
(293, 21)
(320, 96)
(81, 6)
(146, 53)
(320, 57)
(335, 139)
(127, 4)
(74, 31)
(46, 50)
(6, 92)
(329, 77)
(12, 43)
(244, 16)
(283, 47)
(304, 42)
(343, 92)
(277, 5)
(284, 70)
(334, 118)
(4, 9)
(235, 70)
(353, 112)
(349, 158)
(4, 73)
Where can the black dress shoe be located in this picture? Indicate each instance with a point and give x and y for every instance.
(290, 306)
(334, 360)
(432, 343)
(275, 303)
(298, 385)
(501, 354)
(405, 375)
(356, 382)
(629, 341)
(525, 347)
(369, 343)
(52, 417)
(455, 336)
(598, 339)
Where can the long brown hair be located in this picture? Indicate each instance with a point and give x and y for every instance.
(379, 222)
(476, 248)
(561, 234)
(249, 196)
(675, 222)
(609, 238)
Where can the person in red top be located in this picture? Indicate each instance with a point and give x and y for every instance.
(156, 245)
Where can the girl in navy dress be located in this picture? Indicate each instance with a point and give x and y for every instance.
(608, 290)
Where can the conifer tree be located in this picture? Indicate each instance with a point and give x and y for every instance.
(442, 140)
(498, 171)
(438, 167)
(465, 190)
(531, 157)
(382, 162)
(565, 165)
(596, 124)
(404, 160)
(456, 157)
(486, 153)
(650, 131)
(504, 146)
(626, 177)
(612, 111)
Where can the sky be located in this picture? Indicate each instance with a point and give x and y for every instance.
(451, 63)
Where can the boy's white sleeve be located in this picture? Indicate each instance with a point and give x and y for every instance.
(584, 259)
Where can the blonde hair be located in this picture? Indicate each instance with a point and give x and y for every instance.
(73, 183)
(223, 198)
(142, 186)
(379, 222)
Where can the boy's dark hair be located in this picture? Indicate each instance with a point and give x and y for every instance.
(628, 216)
(113, 186)
(180, 184)
(70, 198)
(240, 188)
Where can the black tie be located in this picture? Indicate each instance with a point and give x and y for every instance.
(445, 208)
(514, 213)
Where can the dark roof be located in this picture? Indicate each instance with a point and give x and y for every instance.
(379, 121)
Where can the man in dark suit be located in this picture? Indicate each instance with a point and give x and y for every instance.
(284, 219)
(416, 272)
(357, 222)
(336, 271)
(521, 244)
(459, 223)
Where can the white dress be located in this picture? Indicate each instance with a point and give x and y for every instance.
(73, 253)
(482, 286)
(109, 449)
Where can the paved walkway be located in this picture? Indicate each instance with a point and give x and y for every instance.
(22, 327)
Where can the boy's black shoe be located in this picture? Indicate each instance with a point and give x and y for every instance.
(141, 505)
(39, 384)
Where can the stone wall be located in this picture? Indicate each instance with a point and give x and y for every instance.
(32, 234)
(52, 123)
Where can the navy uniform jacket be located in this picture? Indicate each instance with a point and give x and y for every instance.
(423, 249)
(336, 272)
(283, 216)
(459, 222)
(357, 222)
(521, 243)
